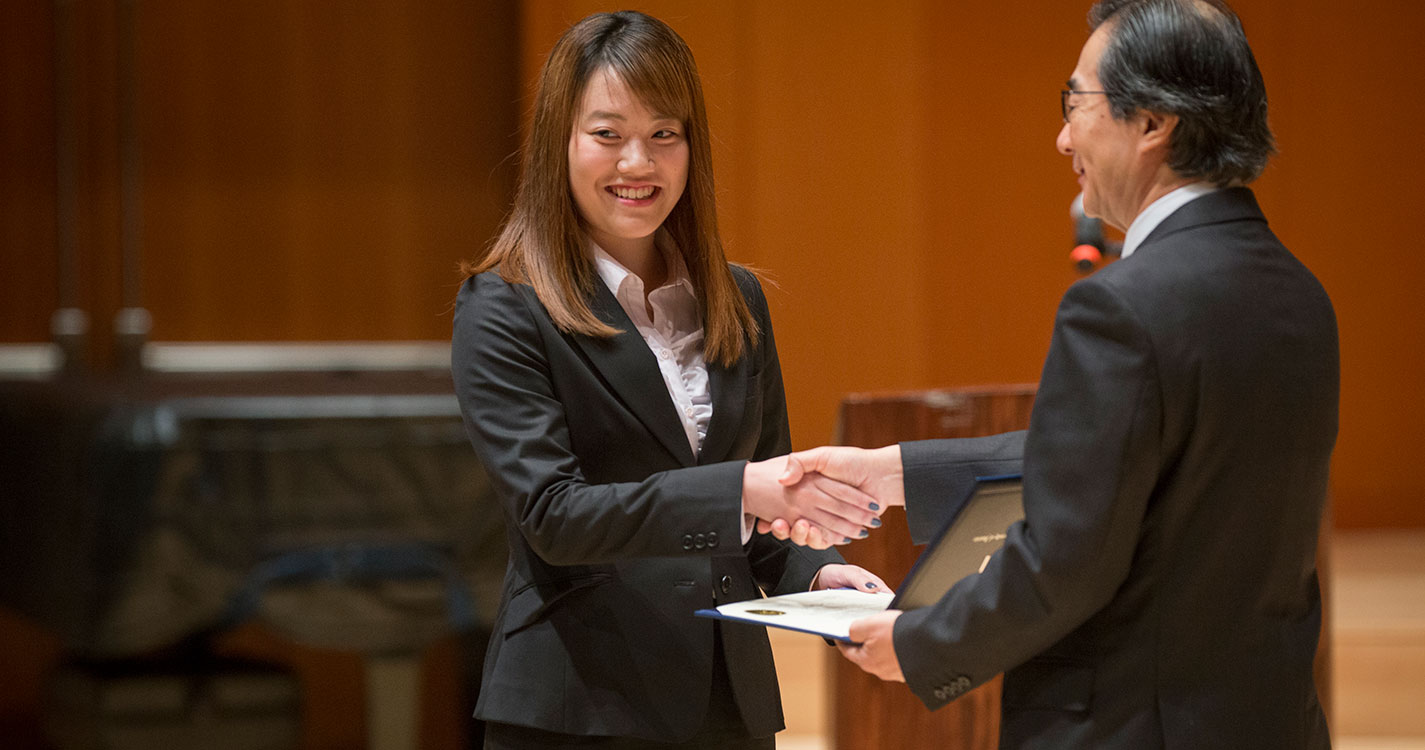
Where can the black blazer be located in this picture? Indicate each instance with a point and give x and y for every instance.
(617, 532)
(1161, 591)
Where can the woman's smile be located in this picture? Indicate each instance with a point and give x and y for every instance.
(640, 195)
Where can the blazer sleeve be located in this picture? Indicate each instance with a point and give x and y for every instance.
(939, 472)
(779, 567)
(1090, 463)
(517, 426)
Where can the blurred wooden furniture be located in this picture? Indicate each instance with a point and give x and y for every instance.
(144, 518)
(870, 713)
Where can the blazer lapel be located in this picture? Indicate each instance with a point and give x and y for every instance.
(729, 396)
(629, 368)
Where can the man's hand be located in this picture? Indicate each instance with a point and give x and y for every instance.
(838, 512)
(874, 649)
(876, 472)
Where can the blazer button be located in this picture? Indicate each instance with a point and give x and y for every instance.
(712, 538)
(940, 694)
(687, 541)
(726, 584)
(700, 541)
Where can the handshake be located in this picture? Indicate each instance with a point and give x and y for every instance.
(823, 496)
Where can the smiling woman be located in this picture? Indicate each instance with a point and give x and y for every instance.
(615, 374)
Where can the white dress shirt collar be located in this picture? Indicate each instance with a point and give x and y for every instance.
(616, 275)
(1160, 209)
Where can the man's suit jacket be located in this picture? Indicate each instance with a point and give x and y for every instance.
(617, 532)
(1161, 591)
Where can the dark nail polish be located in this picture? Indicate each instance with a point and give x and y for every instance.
(864, 533)
(875, 506)
(875, 523)
(846, 540)
(870, 584)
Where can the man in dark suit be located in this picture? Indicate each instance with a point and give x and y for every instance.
(1161, 590)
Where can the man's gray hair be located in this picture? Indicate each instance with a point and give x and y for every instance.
(1189, 58)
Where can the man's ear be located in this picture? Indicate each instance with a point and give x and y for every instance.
(1156, 130)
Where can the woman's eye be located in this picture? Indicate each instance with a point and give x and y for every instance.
(665, 134)
(604, 133)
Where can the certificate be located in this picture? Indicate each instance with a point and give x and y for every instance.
(827, 613)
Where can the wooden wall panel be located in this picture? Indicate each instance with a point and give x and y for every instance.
(29, 288)
(315, 170)
(308, 171)
(1000, 192)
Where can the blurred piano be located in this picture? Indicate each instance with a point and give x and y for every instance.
(328, 491)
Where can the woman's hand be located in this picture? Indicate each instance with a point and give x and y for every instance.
(838, 576)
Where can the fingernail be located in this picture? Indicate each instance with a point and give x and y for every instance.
(870, 585)
(875, 506)
(875, 523)
(864, 533)
(847, 540)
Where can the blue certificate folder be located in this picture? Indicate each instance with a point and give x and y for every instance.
(963, 547)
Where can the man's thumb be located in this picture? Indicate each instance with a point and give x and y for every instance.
(794, 472)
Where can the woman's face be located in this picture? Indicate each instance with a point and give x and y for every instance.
(627, 165)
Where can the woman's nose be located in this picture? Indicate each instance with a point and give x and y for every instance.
(635, 158)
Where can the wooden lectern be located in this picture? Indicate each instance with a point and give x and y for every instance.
(870, 713)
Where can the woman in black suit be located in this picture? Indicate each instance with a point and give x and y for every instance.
(615, 375)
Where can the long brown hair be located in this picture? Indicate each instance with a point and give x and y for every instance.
(541, 243)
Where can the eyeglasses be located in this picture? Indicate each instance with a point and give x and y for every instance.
(1064, 100)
